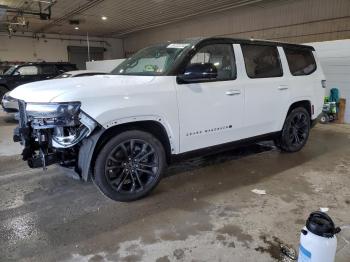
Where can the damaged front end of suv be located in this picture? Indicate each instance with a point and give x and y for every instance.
(51, 133)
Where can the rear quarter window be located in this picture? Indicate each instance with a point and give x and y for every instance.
(301, 61)
(47, 69)
(262, 61)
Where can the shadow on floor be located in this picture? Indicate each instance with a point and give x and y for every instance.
(7, 119)
(219, 158)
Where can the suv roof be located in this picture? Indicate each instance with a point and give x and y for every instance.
(200, 40)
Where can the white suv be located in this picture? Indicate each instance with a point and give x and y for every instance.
(122, 129)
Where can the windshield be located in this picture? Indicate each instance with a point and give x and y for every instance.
(152, 61)
(10, 70)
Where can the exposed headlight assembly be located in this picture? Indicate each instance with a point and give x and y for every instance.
(67, 138)
(69, 124)
(52, 110)
(48, 115)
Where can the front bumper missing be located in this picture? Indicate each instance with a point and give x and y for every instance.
(41, 149)
(23, 134)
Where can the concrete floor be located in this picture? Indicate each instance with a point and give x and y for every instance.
(203, 211)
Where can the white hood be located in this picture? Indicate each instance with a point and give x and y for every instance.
(106, 98)
(78, 88)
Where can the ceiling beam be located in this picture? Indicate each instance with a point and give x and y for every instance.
(80, 9)
(184, 17)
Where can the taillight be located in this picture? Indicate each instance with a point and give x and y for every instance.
(323, 82)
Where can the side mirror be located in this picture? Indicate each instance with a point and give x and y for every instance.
(199, 72)
(16, 73)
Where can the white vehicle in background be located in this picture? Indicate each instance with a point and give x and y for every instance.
(10, 104)
(122, 130)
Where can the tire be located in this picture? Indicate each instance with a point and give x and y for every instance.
(129, 166)
(324, 119)
(295, 132)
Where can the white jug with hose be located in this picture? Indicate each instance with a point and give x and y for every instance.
(318, 242)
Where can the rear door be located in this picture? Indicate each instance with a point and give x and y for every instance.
(266, 89)
(211, 113)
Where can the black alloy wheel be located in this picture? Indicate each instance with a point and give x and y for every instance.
(130, 166)
(295, 131)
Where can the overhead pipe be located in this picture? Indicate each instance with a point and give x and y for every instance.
(74, 12)
(60, 38)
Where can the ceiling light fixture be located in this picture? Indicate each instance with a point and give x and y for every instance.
(104, 18)
(76, 28)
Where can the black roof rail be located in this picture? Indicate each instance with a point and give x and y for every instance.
(252, 41)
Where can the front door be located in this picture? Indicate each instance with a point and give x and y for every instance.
(211, 112)
(26, 74)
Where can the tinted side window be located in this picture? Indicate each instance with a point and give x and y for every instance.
(221, 56)
(48, 69)
(300, 61)
(28, 70)
(262, 61)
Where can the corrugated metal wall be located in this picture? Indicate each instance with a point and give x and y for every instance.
(285, 20)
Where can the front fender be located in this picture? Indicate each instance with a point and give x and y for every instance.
(86, 152)
(88, 147)
(161, 120)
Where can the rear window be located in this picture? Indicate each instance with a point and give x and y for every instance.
(300, 61)
(48, 69)
(262, 61)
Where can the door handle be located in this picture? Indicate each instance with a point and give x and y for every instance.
(282, 87)
(233, 92)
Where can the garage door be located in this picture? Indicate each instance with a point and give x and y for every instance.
(335, 59)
